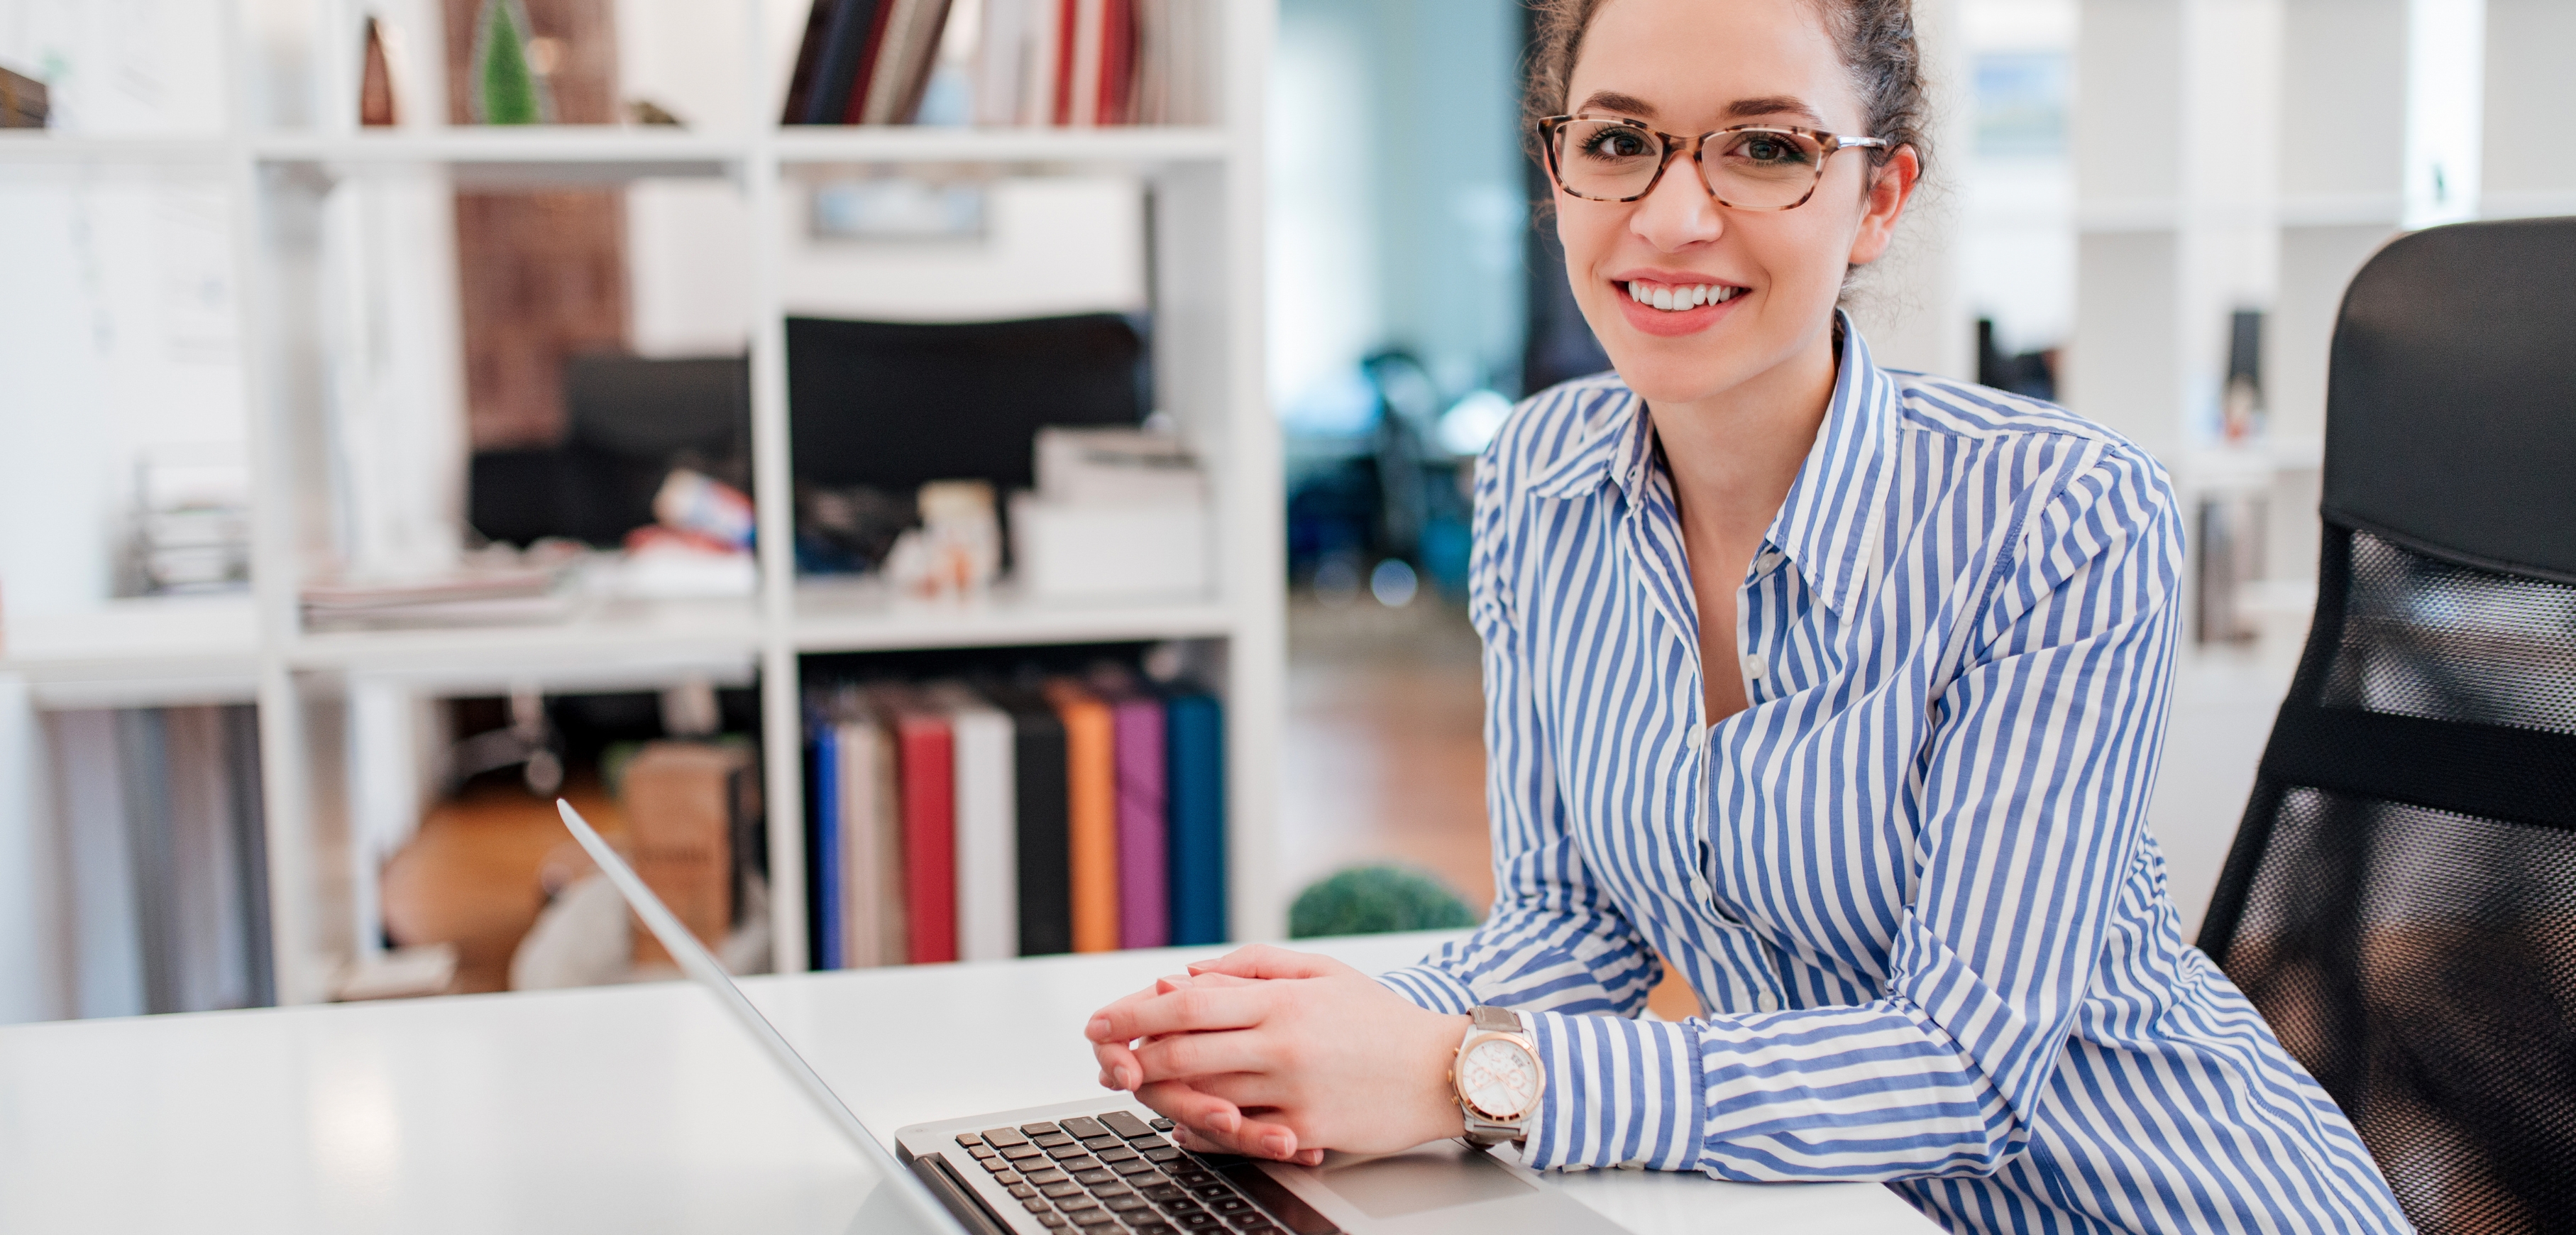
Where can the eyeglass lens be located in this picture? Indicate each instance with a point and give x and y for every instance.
(1755, 168)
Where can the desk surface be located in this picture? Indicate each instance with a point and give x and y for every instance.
(636, 1108)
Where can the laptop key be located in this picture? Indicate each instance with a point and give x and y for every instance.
(1002, 1138)
(1165, 1154)
(1161, 1125)
(1248, 1222)
(1051, 1139)
(1095, 1177)
(998, 1166)
(1083, 1127)
(983, 1153)
(1007, 1178)
(1114, 1151)
(1148, 1141)
(1123, 1203)
(1214, 1191)
(969, 1139)
(1131, 1165)
(1037, 1129)
(1046, 1175)
(1093, 1218)
(1125, 1123)
(1066, 1150)
(1075, 1204)
(1229, 1205)
(1061, 1190)
(1142, 1225)
(1036, 1205)
(1198, 1220)
(1054, 1220)
(1097, 1143)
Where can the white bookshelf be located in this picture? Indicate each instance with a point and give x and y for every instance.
(1207, 266)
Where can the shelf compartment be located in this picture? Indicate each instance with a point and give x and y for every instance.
(863, 616)
(144, 652)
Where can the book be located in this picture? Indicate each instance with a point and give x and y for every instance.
(988, 894)
(809, 56)
(1040, 786)
(1043, 61)
(901, 70)
(1001, 61)
(874, 913)
(836, 68)
(1136, 723)
(925, 755)
(1194, 764)
(1080, 56)
(24, 101)
(1091, 813)
(823, 861)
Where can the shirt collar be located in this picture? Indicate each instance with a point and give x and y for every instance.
(1829, 523)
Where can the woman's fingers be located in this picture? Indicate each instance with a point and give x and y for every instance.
(1261, 960)
(1192, 1009)
(1187, 1055)
(1193, 1108)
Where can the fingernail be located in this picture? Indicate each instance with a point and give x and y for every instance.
(1098, 1029)
(1280, 1144)
(1227, 1122)
(1126, 1077)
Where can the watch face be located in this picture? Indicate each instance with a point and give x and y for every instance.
(1498, 1078)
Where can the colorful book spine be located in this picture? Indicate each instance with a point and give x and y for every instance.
(927, 761)
(825, 859)
(1091, 814)
(876, 902)
(988, 893)
(1194, 745)
(1136, 719)
(1040, 785)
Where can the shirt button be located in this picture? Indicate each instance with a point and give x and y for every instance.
(1753, 667)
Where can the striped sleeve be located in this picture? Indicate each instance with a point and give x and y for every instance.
(2030, 806)
(1555, 939)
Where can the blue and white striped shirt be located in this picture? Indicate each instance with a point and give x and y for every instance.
(1912, 883)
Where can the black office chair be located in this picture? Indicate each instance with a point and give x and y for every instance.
(2401, 898)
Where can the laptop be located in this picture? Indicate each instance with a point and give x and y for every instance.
(1107, 1166)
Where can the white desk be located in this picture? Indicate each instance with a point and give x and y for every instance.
(626, 1109)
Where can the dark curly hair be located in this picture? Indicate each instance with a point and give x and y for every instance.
(1876, 38)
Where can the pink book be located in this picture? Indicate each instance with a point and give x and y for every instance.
(1136, 723)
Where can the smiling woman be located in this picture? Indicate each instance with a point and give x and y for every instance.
(1840, 687)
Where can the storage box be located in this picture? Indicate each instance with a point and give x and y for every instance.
(1063, 550)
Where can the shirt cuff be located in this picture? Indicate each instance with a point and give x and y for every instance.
(1431, 987)
(1619, 1093)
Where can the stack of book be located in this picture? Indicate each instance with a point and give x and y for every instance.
(1031, 62)
(980, 821)
(24, 103)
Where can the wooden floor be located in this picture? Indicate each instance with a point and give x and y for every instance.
(474, 874)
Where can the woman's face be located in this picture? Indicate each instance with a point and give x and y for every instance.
(1688, 67)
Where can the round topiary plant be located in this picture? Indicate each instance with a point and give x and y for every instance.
(1371, 900)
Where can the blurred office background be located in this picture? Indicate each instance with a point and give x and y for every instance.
(367, 473)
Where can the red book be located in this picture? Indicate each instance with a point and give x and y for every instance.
(1067, 25)
(1117, 61)
(926, 767)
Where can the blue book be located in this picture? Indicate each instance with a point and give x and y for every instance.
(823, 861)
(1194, 773)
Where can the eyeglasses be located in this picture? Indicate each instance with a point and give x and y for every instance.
(1748, 167)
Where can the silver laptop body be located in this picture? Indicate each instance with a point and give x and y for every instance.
(1104, 1167)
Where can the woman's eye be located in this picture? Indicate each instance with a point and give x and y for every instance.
(1766, 148)
(1615, 144)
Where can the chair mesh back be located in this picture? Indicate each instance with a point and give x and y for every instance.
(2401, 900)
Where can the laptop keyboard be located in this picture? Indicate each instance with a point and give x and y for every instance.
(1115, 1173)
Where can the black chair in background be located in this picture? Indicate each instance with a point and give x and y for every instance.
(2401, 898)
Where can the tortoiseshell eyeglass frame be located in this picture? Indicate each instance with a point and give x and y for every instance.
(1674, 145)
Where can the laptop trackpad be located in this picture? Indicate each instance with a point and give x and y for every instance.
(1443, 1176)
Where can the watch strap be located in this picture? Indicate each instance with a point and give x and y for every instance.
(1490, 1019)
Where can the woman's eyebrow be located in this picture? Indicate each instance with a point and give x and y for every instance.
(1774, 105)
(1612, 100)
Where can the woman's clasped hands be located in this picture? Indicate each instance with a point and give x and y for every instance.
(1279, 1054)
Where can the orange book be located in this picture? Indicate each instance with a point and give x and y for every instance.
(1091, 810)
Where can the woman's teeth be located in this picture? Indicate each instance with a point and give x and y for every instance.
(1675, 299)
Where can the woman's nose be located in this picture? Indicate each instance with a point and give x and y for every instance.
(1678, 212)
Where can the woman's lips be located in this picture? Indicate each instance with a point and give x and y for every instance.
(1671, 323)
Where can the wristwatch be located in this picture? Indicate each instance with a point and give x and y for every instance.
(1498, 1078)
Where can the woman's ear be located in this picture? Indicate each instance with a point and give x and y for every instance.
(1891, 186)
